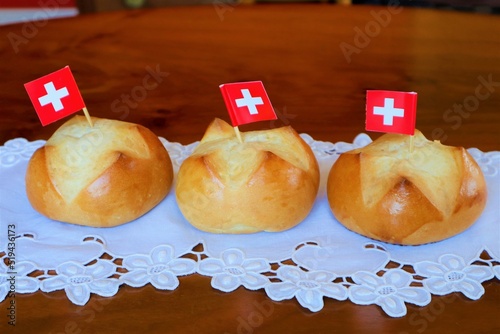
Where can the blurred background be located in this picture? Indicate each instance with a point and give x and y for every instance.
(12, 11)
(489, 6)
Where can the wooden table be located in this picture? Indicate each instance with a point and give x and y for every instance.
(162, 68)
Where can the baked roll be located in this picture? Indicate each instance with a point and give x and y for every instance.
(101, 176)
(384, 192)
(268, 182)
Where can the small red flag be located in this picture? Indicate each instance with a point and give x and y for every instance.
(390, 111)
(55, 95)
(247, 102)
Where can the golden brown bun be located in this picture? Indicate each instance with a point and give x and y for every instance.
(267, 183)
(102, 176)
(383, 192)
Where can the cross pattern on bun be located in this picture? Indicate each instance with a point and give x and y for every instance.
(101, 176)
(386, 193)
(268, 182)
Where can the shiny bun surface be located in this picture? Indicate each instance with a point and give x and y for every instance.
(101, 176)
(386, 193)
(267, 182)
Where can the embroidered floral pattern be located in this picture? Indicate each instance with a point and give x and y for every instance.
(80, 281)
(160, 268)
(17, 276)
(233, 270)
(16, 150)
(320, 148)
(317, 255)
(451, 274)
(308, 287)
(496, 271)
(390, 291)
(488, 161)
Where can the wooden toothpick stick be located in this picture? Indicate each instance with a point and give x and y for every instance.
(87, 116)
(237, 131)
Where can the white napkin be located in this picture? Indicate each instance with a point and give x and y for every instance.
(318, 258)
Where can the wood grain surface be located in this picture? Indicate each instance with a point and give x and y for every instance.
(162, 68)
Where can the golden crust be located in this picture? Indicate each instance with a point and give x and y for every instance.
(102, 176)
(385, 193)
(268, 182)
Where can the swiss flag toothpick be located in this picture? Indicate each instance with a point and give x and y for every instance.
(247, 102)
(55, 96)
(390, 111)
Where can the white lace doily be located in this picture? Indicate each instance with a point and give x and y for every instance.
(317, 259)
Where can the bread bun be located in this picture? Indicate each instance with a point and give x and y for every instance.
(268, 182)
(384, 192)
(102, 176)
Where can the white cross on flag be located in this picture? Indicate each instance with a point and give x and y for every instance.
(55, 95)
(390, 111)
(247, 102)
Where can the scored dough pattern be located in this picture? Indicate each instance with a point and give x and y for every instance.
(315, 261)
